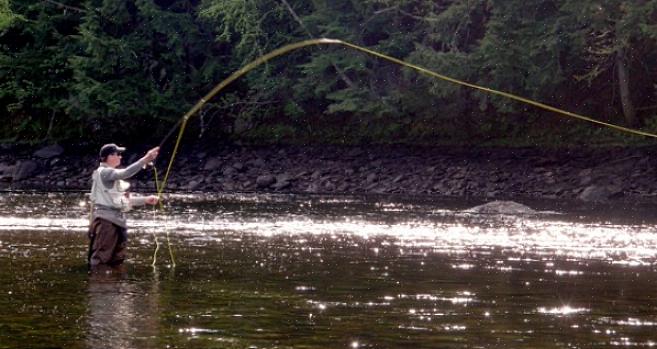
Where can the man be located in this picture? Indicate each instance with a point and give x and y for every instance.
(110, 199)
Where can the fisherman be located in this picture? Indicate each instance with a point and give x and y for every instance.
(110, 199)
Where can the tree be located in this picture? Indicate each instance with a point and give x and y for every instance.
(141, 63)
(35, 71)
(7, 16)
(616, 39)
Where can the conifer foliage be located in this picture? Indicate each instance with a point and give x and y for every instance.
(129, 69)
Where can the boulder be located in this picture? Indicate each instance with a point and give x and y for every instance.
(284, 177)
(265, 181)
(25, 169)
(600, 193)
(279, 185)
(501, 207)
(259, 163)
(229, 171)
(49, 152)
(192, 185)
(239, 167)
(212, 164)
(6, 168)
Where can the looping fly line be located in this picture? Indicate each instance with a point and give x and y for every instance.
(182, 123)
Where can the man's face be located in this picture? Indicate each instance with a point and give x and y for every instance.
(113, 160)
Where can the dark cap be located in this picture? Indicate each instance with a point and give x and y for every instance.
(109, 149)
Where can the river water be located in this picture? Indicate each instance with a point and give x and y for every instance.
(291, 271)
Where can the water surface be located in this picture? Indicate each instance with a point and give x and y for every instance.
(257, 271)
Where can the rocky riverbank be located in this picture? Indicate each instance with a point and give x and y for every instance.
(585, 174)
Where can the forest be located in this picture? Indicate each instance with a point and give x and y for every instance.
(128, 70)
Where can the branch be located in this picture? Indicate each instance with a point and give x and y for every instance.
(649, 107)
(341, 73)
(59, 4)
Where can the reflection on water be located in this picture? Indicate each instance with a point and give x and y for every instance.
(119, 313)
(325, 272)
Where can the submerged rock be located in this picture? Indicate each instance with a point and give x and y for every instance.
(502, 207)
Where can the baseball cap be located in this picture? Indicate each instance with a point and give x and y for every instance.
(109, 149)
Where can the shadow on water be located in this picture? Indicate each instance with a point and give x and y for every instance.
(256, 271)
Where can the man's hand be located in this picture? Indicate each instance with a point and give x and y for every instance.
(152, 200)
(151, 154)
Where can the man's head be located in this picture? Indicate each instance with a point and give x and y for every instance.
(111, 154)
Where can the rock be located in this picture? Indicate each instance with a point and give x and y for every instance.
(212, 164)
(25, 169)
(371, 186)
(265, 181)
(228, 186)
(49, 152)
(6, 169)
(283, 178)
(229, 171)
(259, 163)
(281, 185)
(355, 152)
(313, 188)
(501, 207)
(343, 187)
(192, 185)
(595, 193)
(585, 172)
(239, 167)
(329, 186)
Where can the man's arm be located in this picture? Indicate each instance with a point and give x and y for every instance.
(138, 200)
(113, 174)
(110, 175)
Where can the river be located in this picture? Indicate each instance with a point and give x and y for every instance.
(299, 271)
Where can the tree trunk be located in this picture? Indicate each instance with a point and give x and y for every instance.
(624, 84)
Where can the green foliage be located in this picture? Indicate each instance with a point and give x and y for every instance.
(7, 16)
(139, 64)
(128, 70)
(35, 72)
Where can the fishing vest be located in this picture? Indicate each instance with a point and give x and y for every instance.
(114, 197)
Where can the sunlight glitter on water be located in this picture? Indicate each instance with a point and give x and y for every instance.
(563, 310)
(373, 275)
(617, 243)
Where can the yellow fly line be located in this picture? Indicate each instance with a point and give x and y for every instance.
(182, 123)
(313, 42)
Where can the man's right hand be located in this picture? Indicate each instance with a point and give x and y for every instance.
(152, 200)
(151, 154)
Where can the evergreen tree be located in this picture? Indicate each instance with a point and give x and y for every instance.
(129, 70)
(614, 43)
(141, 65)
(35, 71)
